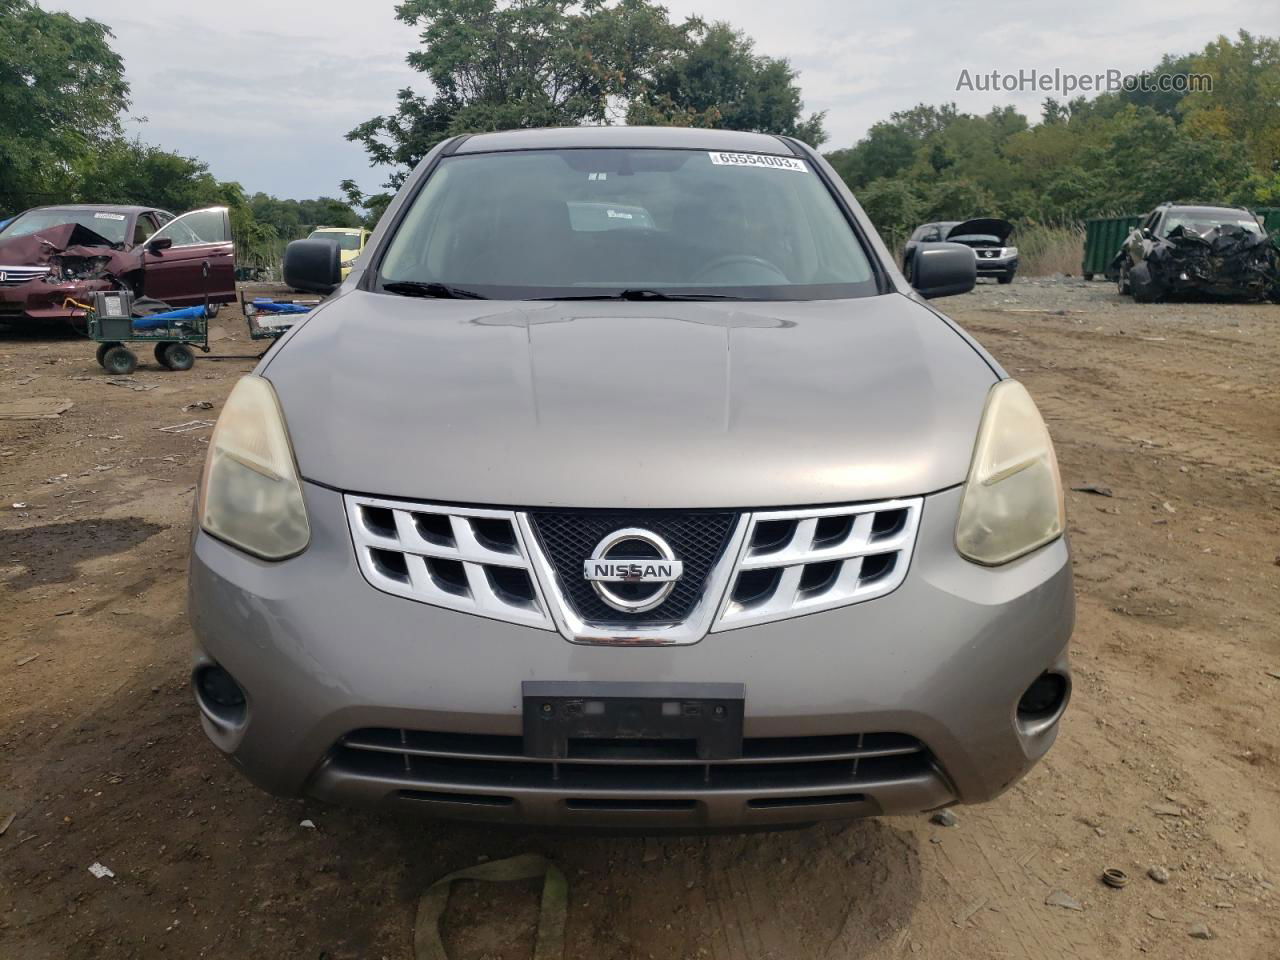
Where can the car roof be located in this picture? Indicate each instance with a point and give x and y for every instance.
(103, 207)
(675, 138)
(1200, 208)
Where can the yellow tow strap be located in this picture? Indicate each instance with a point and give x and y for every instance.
(551, 920)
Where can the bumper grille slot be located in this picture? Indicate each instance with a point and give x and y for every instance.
(490, 764)
(14, 276)
(471, 799)
(821, 800)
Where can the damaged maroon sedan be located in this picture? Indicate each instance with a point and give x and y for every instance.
(54, 257)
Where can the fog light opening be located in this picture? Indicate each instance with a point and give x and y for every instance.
(219, 695)
(1044, 699)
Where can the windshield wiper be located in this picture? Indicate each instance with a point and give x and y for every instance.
(638, 294)
(416, 288)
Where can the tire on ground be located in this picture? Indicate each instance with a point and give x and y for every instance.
(119, 360)
(178, 356)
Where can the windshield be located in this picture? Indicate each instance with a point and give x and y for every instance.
(109, 225)
(1202, 222)
(345, 241)
(574, 223)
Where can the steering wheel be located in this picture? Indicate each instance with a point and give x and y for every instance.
(736, 258)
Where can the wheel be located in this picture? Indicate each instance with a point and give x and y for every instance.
(102, 352)
(1087, 275)
(1122, 278)
(159, 354)
(211, 311)
(119, 360)
(1141, 285)
(1005, 278)
(178, 356)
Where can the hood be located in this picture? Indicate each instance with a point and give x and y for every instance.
(618, 404)
(982, 226)
(35, 249)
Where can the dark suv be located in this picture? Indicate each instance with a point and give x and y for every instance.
(1197, 249)
(986, 236)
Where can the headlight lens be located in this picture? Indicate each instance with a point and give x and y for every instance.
(1009, 252)
(1013, 498)
(250, 495)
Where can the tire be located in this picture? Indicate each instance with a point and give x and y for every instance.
(1005, 278)
(102, 352)
(211, 311)
(1141, 285)
(178, 356)
(119, 360)
(159, 354)
(1122, 278)
(1087, 275)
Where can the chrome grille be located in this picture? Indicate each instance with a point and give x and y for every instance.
(760, 567)
(463, 558)
(12, 276)
(802, 561)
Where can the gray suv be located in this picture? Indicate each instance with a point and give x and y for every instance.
(625, 482)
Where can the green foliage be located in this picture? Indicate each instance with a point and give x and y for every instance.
(718, 80)
(118, 170)
(509, 64)
(62, 89)
(1114, 154)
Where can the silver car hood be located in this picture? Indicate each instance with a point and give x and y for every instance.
(625, 404)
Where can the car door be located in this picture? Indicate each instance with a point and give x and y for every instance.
(198, 240)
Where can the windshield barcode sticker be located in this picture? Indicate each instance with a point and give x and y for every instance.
(758, 160)
(108, 216)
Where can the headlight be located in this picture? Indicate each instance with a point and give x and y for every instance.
(1013, 497)
(1009, 252)
(250, 495)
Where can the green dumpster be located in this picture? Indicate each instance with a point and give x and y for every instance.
(1103, 238)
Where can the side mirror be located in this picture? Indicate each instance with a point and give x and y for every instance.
(159, 243)
(1147, 234)
(314, 266)
(944, 269)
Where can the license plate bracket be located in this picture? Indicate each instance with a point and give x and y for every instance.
(556, 712)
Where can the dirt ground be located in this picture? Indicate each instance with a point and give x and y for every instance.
(1167, 758)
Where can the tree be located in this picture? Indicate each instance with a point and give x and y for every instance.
(119, 170)
(885, 151)
(893, 207)
(499, 65)
(508, 64)
(1244, 104)
(718, 80)
(62, 89)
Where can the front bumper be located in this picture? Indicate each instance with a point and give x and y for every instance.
(321, 654)
(43, 301)
(997, 266)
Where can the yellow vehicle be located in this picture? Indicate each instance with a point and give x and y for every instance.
(350, 241)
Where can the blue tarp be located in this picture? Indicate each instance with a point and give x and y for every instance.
(159, 320)
(270, 306)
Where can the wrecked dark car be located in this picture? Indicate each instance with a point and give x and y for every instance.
(987, 236)
(1181, 250)
(52, 258)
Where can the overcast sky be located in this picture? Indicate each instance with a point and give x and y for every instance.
(263, 90)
